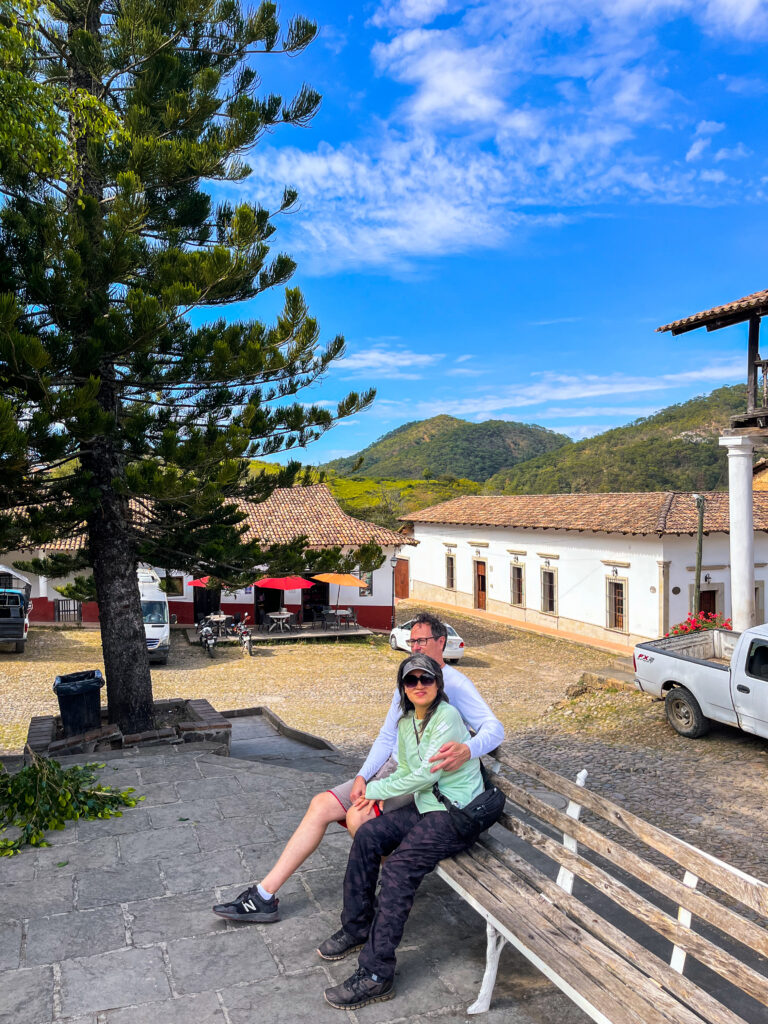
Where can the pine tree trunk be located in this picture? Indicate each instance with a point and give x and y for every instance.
(124, 645)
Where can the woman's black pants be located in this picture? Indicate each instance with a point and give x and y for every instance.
(414, 843)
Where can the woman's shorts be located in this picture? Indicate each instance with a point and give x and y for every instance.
(343, 791)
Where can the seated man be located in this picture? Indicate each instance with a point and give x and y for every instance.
(258, 904)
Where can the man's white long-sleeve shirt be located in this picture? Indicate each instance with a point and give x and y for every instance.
(462, 694)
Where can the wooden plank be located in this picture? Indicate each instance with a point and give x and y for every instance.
(492, 911)
(554, 951)
(622, 982)
(743, 887)
(656, 968)
(753, 347)
(727, 920)
(726, 965)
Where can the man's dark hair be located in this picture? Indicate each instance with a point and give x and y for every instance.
(437, 627)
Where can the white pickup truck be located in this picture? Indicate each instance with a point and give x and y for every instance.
(708, 676)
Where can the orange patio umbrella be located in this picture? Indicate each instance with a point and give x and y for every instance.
(341, 579)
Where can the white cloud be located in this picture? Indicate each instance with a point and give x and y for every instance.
(557, 320)
(696, 152)
(380, 362)
(744, 85)
(709, 127)
(574, 412)
(511, 115)
(739, 152)
(516, 401)
(412, 12)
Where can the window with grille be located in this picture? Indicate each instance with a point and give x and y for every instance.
(549, 591)
(450, 572)
(617, 605)
(517, 585)
(6, 581)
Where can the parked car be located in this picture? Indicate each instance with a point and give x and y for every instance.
(708, 676)
(15, 606)
(454, 645)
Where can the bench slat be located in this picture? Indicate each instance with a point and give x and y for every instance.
(656, 968)
(609, 982)
(743, 887)
(727, 920)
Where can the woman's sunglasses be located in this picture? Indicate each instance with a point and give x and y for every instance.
(411, 681)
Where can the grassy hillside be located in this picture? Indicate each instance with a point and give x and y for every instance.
(383, 501)
(676, 449)
(446, 446)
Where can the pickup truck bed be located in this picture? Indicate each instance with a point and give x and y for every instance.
(711, 675)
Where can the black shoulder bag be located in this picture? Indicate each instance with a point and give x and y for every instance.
(479, 814)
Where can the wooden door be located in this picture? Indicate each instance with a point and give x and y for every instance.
(206, 601)
(708, 601)
(401, 578)
(480, 585)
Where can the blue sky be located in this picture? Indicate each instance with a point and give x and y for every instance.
(501, 199)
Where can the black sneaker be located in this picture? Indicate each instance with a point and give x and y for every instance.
(249, 907)
(360, 990)
(339, 945)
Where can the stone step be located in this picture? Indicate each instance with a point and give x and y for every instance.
(605, 678)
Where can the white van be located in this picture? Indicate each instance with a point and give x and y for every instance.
(154, 610)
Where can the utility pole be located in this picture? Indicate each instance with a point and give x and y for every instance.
(700, 501)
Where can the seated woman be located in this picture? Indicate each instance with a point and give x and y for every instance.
(414, 838)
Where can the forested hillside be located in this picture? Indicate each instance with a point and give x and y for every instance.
(446, 446)
(676, 449)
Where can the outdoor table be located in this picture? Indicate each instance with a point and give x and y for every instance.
(218, 619)
(278, 619)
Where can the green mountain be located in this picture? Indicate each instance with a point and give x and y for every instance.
(446, 446)
(676, 449)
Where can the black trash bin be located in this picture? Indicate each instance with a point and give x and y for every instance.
(79, 701)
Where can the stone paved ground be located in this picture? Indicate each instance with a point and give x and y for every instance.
(112, 924)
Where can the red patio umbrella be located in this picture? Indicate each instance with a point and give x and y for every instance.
(202, 582)
(284, 583)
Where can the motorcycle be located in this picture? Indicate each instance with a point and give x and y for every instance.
(243, 633)
(207, 639)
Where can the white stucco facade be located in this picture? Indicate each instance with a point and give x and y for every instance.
(624, 588)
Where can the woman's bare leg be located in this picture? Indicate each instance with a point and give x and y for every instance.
(323, 809)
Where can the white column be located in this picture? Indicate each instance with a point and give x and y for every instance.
(742, 535)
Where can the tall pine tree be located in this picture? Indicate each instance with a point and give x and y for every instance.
(122, 417)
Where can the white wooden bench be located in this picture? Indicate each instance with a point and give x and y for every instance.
(627, 945)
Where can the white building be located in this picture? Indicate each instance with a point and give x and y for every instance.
(617, 567)
(288, 513)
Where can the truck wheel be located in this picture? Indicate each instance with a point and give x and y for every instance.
(19, 646)
(684, 713)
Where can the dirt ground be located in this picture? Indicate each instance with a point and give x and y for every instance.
(337, 689)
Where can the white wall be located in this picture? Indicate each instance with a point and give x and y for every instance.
(578, 558)
(715, 561)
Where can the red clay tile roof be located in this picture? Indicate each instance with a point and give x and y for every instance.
(314, 513)
(656, 512)
(290, 512)
(732, 312)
